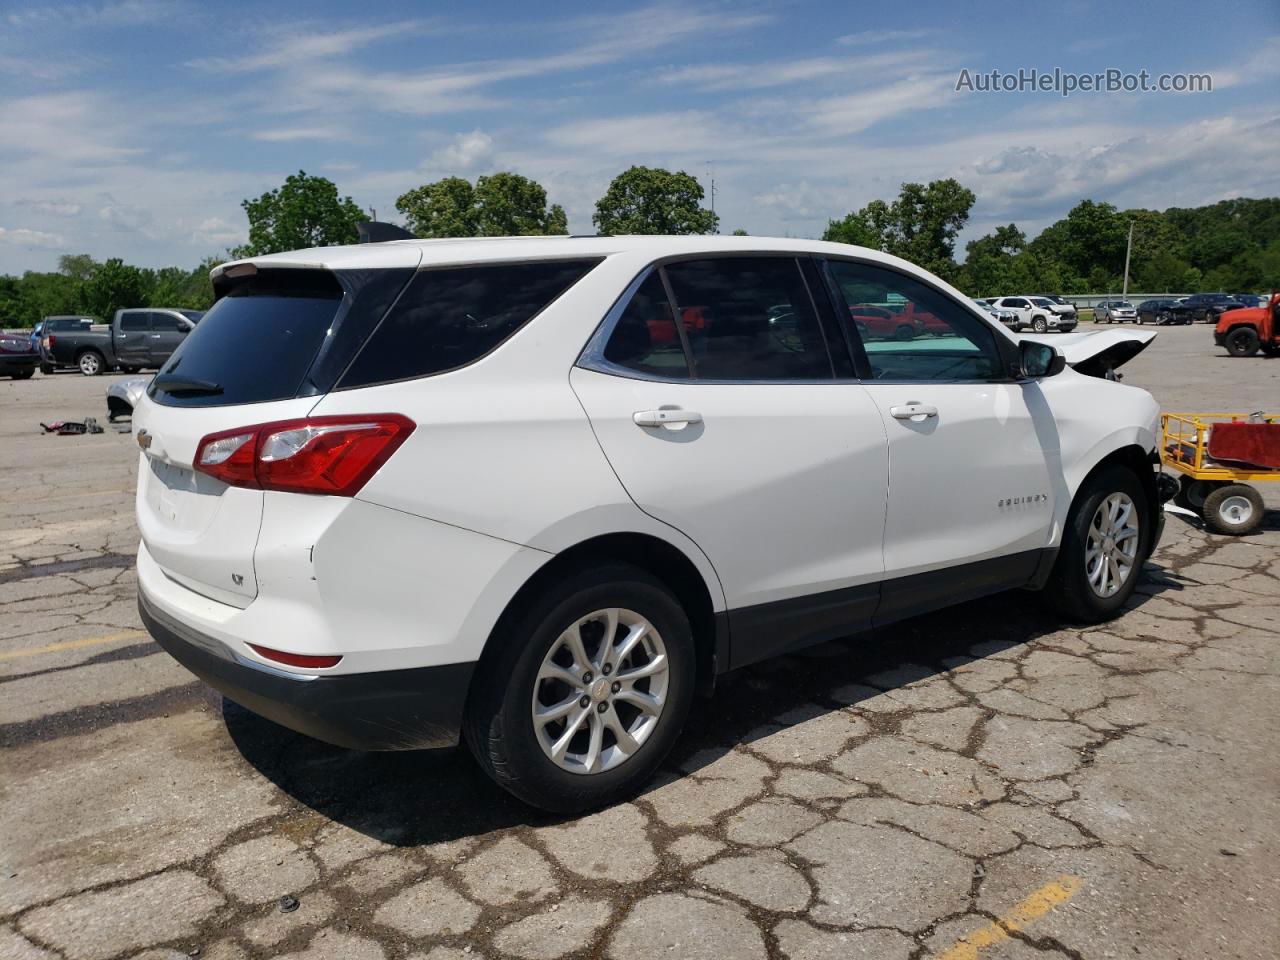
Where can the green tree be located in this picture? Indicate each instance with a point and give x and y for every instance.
(1090, 241)
(445, 208)
(112, 286)
(921, 225)
(650, 200)
(305, 212)
(740, 233)
(509, 205)
(855, 229)
(499, 205)
(78, 266)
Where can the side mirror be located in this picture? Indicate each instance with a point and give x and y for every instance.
(186, 326)
(1036, 360)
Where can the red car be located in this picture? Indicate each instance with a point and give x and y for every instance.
(879, 323)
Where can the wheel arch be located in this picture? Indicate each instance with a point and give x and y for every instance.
(1136, 458)
(660, 558)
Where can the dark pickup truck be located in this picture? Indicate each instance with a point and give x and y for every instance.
(138, 338)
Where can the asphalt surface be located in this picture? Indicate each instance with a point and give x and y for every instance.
(979, 783)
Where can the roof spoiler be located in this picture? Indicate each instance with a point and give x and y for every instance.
(375, 231)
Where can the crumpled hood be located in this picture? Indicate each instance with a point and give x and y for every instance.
(1094, 353)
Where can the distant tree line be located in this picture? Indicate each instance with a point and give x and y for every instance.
(1232, 246)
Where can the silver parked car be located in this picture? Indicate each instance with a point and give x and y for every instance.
(1115, 311)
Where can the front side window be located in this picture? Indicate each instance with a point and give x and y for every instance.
(930, 337)
(749, 318)
(166, 322)
(452, 316)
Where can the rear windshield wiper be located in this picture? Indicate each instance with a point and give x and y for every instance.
(177, 383)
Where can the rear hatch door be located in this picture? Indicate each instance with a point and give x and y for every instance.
(268, 350)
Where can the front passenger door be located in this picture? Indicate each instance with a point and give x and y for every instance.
(974, 465)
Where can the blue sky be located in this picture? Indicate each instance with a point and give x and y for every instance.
(134, 128)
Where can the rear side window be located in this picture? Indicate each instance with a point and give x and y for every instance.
(450, 317)
(256, 343)
(645, 338)
(134, 321)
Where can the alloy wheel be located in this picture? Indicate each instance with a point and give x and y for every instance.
(1111, 546)
(600, 691)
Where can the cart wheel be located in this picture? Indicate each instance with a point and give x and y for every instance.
(1234, 509)
(1191, 493)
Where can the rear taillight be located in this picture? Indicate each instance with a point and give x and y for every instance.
(49, 341)
(325, 455)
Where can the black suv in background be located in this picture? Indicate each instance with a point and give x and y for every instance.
(1207, 307)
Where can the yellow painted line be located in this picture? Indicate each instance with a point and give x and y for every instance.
(72, 644)
(1023, 913)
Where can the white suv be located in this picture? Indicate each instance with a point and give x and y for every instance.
(536, 492)
(1038, 313)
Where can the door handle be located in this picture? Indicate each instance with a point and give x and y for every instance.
(914, 410)
(667, 419)
(155, 336)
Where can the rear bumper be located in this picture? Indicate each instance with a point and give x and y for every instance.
(409, 709)
(17, 363)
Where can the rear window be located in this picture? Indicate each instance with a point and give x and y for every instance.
(450, 317)
(256, 343)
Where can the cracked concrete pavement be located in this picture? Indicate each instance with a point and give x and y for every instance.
(978, 783)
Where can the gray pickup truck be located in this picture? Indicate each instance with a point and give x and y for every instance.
(142, 337)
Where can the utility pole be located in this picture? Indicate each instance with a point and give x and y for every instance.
(1127, 250)
(711, 178)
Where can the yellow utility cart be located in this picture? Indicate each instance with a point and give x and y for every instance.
(1218, 470)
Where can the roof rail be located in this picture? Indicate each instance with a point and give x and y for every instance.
(375, 231)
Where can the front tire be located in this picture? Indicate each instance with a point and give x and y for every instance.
(1103, 547)
(1234, 509)
(24, 374)
(90, 363)
(1242, 342)
(587, 691)
(1040, 325)
(47, 369)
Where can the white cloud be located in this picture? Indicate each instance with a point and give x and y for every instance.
(290, 134)
(53, 208)
(466, 151)
(125, 216)
(23, 237)
(122, 13)
(868, 38)
(299, 48)
(216, 232)
(850, 113)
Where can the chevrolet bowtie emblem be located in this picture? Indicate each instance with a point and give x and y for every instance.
(144, 439)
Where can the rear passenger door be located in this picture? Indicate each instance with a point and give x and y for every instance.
(720, 390)
(133, 339)
(167, 331)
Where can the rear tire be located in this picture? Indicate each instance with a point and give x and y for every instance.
(1242, 342)
(1106, 540)
(24, 374)
(91, 363)
(904, 332)
(522, 675)
(1234, 509)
